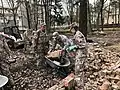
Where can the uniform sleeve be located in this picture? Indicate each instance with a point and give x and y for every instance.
(66, 42)
(52, 45)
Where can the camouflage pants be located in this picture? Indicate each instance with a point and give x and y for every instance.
(80, 61)
(40, 53)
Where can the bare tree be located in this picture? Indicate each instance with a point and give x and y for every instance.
(77, 13)
(47, 14)
(101, 10)
(83, 17)
(13, 8)
(27, 5)
(89, 17)
(35, 11)
(3, 13)
(71, 11)
(119, 12)
(108, 14)
(115, 13)
(98, 8)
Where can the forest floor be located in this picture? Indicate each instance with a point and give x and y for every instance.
(104, 62)
(28, 76)
(103, 67)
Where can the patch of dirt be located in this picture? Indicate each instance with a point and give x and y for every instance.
(108, 39)
(114, 48)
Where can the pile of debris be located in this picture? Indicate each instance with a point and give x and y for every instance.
(35, 79)
(103, 71)
(27, 75)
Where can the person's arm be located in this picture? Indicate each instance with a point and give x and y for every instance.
(53, 45)
(66, 43)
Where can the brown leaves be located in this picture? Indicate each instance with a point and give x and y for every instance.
(103, 69)
(105, 85)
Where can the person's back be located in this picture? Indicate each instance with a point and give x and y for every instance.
(66, 41)
(61, 40)
(79, 38)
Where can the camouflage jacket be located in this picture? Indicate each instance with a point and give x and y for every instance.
(63, 41)
(79, 38)
(80, 60)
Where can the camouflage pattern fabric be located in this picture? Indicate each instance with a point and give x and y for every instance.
(79, 38)
(41, 47)
(80, 60)
(60, 42)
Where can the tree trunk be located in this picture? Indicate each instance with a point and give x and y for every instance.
(46, 4)
(71, 11)
(14, 17)
(115, 14)
(35, 16)
(83, 28)
(3, 13)
(94, 13)
(42, 12)
(102, 22)
(14, 13)
(119, 13)
(83, 17)
(92, 17)
(108, 14)
(50, 3)
(28, 15)
(114, 17)
(97, 23)
(77, 12)
(89, 17)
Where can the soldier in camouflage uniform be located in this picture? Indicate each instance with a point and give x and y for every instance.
(60, 42)
(81, 57)
(41, 44)
(27, 38)
(4, 62)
